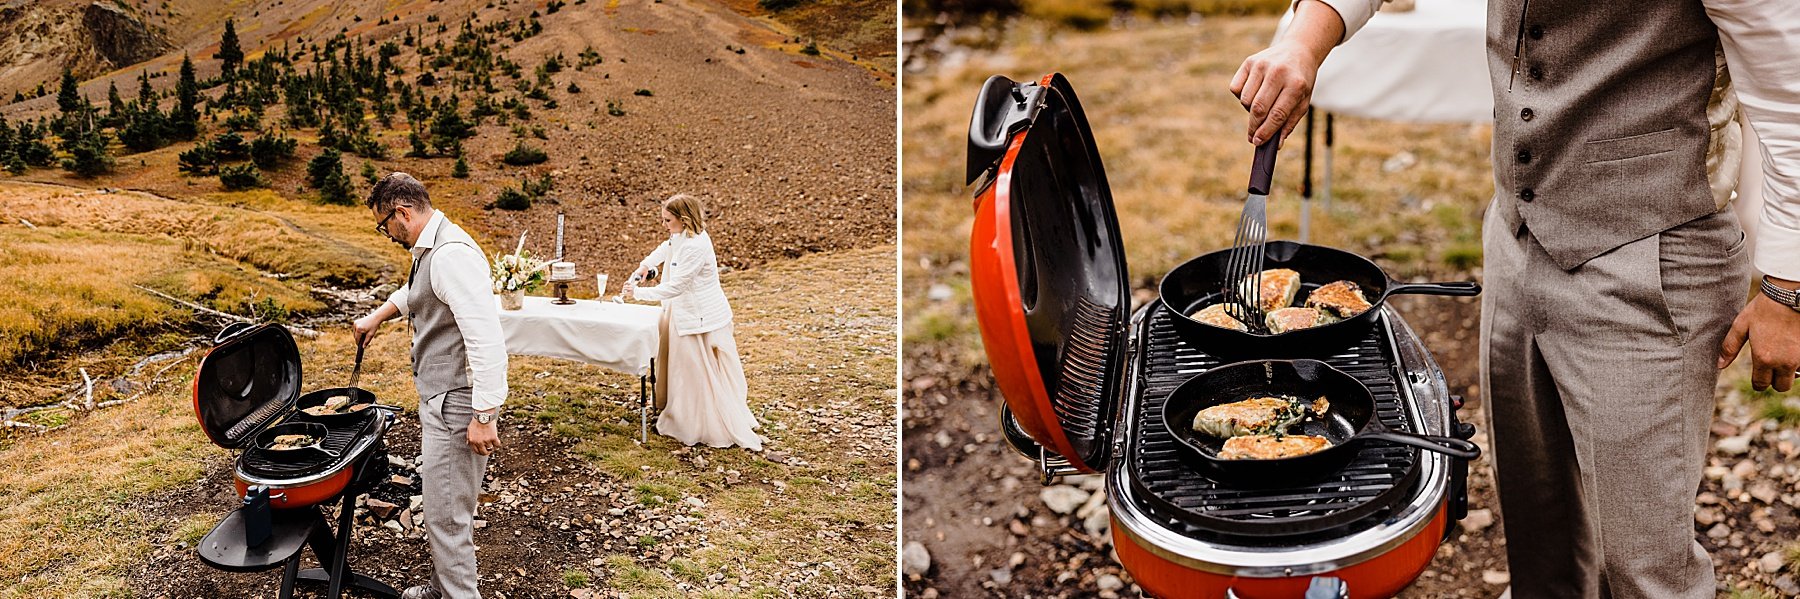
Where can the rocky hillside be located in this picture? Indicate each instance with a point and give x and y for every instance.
(789, 138)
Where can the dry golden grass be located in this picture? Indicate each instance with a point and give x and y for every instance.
(818, 338)
(71, 279)
(1173, 142)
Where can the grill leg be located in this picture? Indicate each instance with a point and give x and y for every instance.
(333, 551)
(289, 575)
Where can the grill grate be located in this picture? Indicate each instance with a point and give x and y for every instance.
(1201, 508)
(1084, 389)
(260, 463)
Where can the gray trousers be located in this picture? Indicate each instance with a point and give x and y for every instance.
(451, 476)
(1598, 386)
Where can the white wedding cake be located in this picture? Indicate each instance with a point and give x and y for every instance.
(562, 271)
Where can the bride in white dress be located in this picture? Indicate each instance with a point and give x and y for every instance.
(699, 364)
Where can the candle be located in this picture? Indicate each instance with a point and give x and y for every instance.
(559, 236)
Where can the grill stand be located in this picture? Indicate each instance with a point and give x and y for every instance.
(289, 531)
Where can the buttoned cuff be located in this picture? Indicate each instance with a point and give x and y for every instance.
(1777, 252)
(483, 401)
(1354, 13)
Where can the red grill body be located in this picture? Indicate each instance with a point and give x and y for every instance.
(1084, 379)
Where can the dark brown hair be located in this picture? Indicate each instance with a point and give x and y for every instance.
(398, 189)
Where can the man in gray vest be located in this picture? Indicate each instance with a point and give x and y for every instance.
(1613, 271)
(459, 367)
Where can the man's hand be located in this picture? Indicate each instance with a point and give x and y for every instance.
(1276, 84)
(483, 438)
(1774, 333)
(366, 327)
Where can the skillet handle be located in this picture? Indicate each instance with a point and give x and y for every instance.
(1451, 446)
(1455, 288)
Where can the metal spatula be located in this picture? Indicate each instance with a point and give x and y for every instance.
(1245, 261)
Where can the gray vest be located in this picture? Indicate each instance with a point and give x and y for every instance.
(440, 362)
(1602, 138)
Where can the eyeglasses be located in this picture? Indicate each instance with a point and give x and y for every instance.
(381, 227)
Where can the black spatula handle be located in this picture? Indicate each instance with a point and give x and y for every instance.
(1262, 169)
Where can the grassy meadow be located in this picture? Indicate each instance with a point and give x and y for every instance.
(77, 506)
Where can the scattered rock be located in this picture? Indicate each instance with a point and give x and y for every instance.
(915, 560)
(1719, 531)
(1708, 516)
(1734, 445)
(1063, 499)
(1478, 520)
(1771, 562)
(1001, 576)
(1108, 582)
(940, 293)
(1785, 583)
(1764, 491)
(382, 509)
(1496, 577)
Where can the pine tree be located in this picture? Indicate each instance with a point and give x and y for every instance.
(144, 128)
(184, 119)
(115, 106)
(448, 129)
(326, 173)
(461, 170)
(15, 165)
(87, 148)
(70, 102)
(229, 53)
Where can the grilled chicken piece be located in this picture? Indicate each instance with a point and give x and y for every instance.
(1294, 319)
(1217, 315)
(1278, 288)
(1341, 298)
(320, 411)
(1249, 417)
(1320, 406)
(1270, 447)
(292, 441)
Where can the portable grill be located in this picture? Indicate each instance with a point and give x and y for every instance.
(1085, 386)
(247, 383)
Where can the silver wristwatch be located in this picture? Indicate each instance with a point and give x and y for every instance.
(1785, 297)
(487, 418)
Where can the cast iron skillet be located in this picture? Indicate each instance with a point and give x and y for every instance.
(317, 398)
(1196, 284)
(314, 429)
(1348, 423)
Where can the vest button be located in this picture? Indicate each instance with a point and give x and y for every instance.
(1526, 195)
(1536, 32)
(1536, 74)
(1524, 156)
(1525, 115)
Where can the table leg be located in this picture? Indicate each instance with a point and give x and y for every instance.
(1306, 191)
(1328, 144)
(644, 383)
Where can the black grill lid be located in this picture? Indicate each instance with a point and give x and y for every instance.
(246, 382)
(1063, 303)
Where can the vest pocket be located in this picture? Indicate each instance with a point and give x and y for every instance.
(1634, 146)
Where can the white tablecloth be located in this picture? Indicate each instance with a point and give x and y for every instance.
(621, 337)
(1427, 65)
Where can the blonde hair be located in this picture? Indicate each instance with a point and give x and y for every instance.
(688, 210)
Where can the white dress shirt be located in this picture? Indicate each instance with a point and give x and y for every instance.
(1761, 41)
(460, 278)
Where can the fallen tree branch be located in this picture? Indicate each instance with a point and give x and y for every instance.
(89, 382)
(28, 224)
(303, 331)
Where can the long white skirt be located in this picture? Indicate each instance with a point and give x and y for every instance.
(701, 383)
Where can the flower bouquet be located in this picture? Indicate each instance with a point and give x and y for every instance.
(514, 274)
